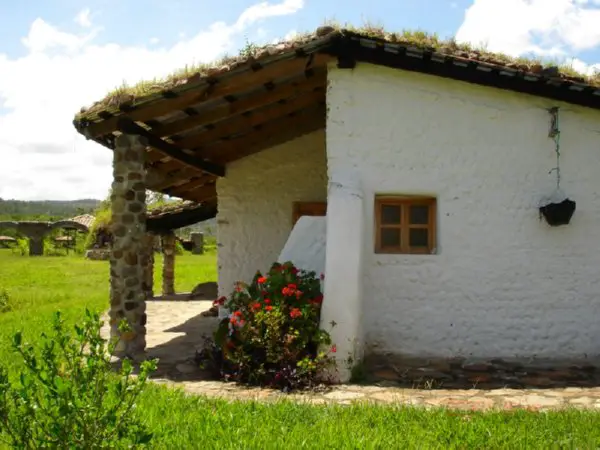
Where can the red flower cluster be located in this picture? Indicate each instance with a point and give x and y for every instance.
(220, 301)
(262, 280)
(295, 313)
(290, 290)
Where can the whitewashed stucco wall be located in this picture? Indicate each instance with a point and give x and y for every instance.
(503, 283)
(255, 204)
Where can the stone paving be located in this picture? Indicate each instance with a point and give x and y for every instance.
(174, 335)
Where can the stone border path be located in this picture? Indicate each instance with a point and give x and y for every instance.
(175, 330)
(471, 399)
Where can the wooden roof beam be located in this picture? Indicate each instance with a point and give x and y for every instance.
(198, 190)
(239, 80)
(242, 123)
(126, 125)
(179, 178)
(272, 134)
(257, 100)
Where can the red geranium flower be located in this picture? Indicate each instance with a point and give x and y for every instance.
(233, 320)
(318, 299)
(295, 313)
(219, 301)
(289, 290)
(267, 301)
(293, 271)
(268, 307)
(256, 306)
(333, 348)
(238, 313)
(262, 280)
(298, 294)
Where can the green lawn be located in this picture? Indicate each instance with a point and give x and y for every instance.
(39, 286)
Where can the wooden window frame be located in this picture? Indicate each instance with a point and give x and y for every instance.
(404, 202)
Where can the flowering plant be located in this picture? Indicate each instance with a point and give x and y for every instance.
(272, 336)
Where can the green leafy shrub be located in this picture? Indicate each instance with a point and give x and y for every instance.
(22, 247)
(68, 396)
(5, 304)
(179, 250)
(273, 337)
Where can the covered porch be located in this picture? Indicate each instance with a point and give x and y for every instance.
(181, 141)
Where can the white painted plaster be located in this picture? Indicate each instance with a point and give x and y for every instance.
(344, 268)
(306, 245)
(503, 283)
(255, 205)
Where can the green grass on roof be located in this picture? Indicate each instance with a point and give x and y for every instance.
(144, 89)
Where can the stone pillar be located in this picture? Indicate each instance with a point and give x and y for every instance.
(343, 288)
(36, 245)
(197, 243)
(168, 275)
(148, 263)
(127, 286)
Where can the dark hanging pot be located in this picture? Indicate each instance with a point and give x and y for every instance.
(557, 214)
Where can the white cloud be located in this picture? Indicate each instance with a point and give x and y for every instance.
(552, 28)
(83, 18)
(43, 157)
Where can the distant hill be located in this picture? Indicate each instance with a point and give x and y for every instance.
(45, 209)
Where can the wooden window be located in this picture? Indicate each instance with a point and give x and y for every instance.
(308, 209)
(405, 225)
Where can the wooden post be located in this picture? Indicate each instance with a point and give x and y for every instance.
(168, 249)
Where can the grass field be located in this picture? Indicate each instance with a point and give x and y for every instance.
(39, 286)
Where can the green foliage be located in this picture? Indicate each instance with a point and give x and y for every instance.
(22, 247)
(273, 336)
(5, 304)
(44, 210)
(68, 395)
(179, 250)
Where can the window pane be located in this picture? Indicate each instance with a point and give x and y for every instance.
(419, 214)
(390, 237)
(390, 214)
(419, 237)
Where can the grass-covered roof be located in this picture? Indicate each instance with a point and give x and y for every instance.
(137, 93)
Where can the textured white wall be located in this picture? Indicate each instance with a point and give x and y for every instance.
(255, 204)
(504, 283)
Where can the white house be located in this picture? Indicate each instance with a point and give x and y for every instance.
(431, 166)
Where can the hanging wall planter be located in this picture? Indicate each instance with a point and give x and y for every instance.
(559, 209)
(557, 214)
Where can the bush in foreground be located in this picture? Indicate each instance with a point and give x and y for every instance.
(273, 337)
(68, 396)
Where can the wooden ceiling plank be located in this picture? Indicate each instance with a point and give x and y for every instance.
(126, 125)
(227, 86)
(179, 178)
(201, 190)
(272, 134)
(257, 100)
(241, 123)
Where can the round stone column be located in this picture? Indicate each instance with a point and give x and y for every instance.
(127, 273)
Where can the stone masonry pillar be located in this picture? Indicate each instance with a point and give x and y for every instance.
(148, 263)
(127, 282)
(197, 243)
(168, 249)
(36, 245)
(343, 288)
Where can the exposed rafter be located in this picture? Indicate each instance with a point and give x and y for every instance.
(241, 123)
(259, 99)
(239, 81)
(126, 125)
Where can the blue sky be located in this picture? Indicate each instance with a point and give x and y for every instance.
(56, 56)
